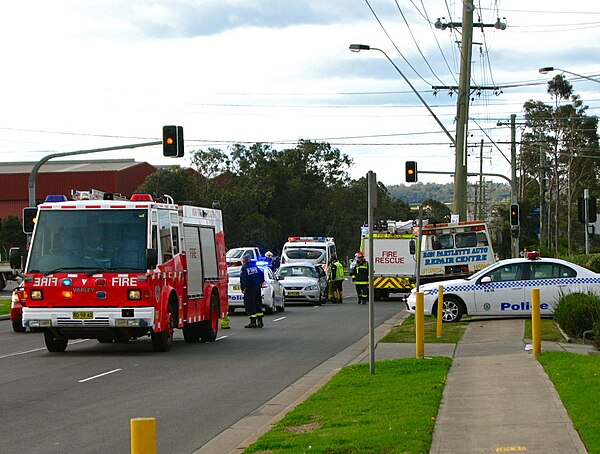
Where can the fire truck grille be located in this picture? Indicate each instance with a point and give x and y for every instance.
(69, 323)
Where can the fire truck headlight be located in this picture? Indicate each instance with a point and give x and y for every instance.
(36, 295)
(39, 323)
(134, 294)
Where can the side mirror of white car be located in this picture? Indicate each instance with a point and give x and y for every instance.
(485, 280)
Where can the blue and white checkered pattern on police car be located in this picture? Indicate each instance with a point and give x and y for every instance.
(509, 284)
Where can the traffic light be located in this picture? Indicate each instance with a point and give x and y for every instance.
(411, 171)
(29, 219)
(170, 141)
(173, 141)
(592, 210)
(514, 214)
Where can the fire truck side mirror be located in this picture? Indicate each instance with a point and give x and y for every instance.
(151, 258)
(412, 247)
(15, 258)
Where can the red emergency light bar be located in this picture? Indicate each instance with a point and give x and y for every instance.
(141, 198)
(533, 255)
(307, 238)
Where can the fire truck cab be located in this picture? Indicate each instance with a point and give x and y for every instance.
(115, 270)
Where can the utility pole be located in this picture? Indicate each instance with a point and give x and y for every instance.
(462, 114)
(514, 192)
(462, 104)
(480, 204)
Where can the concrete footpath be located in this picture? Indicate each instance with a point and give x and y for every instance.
(497, 396)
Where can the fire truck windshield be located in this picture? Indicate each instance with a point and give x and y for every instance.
(93, 240)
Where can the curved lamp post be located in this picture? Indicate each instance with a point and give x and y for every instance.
(359, 47)
(547, 69)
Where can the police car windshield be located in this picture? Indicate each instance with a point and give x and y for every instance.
(89, 239)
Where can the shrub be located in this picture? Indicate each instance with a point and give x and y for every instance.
(594, 263)
(577, 312)
(596, 338)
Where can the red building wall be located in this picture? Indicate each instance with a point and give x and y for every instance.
(14, 189)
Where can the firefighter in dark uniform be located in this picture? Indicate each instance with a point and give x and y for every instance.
(251, 279)
(360, 276)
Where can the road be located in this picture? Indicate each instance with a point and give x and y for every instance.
(82, 400)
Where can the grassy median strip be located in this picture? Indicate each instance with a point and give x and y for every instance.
(577, 381)
(405, 333)
(4, 306)
(548, 330)
(392, 411)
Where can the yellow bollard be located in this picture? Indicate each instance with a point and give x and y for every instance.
(143, 435)
(440, 311)
(536, 333)
(420, 327)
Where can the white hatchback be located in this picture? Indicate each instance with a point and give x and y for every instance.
(504, 288)
(273, 296)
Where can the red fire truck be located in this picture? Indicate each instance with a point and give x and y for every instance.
(115, 270)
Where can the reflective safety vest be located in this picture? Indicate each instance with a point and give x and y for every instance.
(339, 271)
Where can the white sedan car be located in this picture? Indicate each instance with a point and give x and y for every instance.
(303, 281)
(273, 297)
(504, 288)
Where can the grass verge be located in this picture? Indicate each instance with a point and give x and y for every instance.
(577, 381)
(548, 329)
(405, 333)
(354, 411)
(4, 306)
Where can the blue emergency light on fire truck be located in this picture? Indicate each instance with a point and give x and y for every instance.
(114, 269)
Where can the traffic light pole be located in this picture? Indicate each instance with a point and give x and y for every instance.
(41, 162)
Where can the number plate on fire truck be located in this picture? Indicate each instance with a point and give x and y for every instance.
(80, 315)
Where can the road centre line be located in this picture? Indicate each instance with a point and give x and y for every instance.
(9, 355)
(278, 319)
(99, 375)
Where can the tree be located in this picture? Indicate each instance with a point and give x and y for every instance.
(11, 235)
(560, 148)
(179, 183)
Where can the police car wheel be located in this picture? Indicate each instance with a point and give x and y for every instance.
(453, 309)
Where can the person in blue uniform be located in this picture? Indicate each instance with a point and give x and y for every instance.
(251, 279)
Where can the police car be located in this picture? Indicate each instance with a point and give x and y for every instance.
(504, 288)
(273, 295)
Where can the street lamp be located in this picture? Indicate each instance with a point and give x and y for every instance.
(359, 47)
(547, 69)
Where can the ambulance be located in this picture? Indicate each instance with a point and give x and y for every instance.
(313, 249)
(115, 270)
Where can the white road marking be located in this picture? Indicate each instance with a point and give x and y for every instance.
(221, 337)
(99, 375)
(278, 319)
(38, 349)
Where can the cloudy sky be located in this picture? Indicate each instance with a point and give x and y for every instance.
(101, 73)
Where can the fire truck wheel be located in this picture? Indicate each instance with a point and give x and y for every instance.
(54, 345)
(18, 325)
(209, 328)
(162, 341)
(453, 310)
(191, 333)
